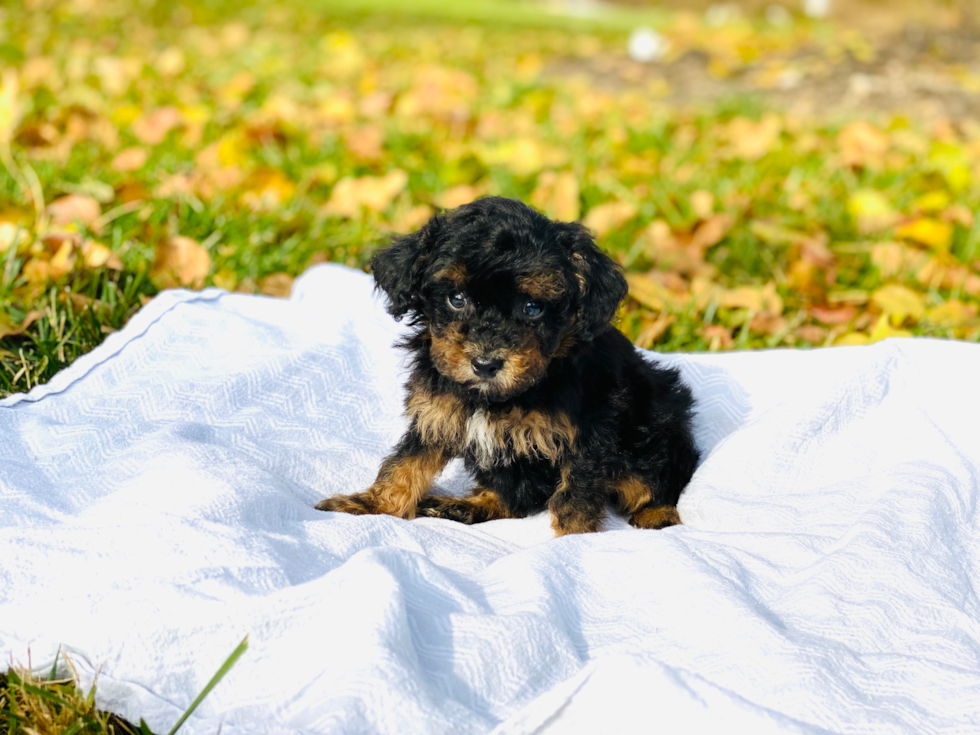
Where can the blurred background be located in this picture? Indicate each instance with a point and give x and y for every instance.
(768, 174)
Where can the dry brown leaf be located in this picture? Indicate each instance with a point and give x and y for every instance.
(812, 333)
(75, 208)
(610, 216)
(840, 315)
(152, 128)
(710, 232)
(180, 261)
(279, 285)
(130, 159)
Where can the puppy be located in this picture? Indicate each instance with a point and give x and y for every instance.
(517, 369)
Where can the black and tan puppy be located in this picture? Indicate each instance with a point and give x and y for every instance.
(517, 369)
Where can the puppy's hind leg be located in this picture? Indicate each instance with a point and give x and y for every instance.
(480, 506)
(635, 498)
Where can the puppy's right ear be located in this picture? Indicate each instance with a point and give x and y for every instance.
(398, 268)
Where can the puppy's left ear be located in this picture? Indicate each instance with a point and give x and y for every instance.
(398, 268)
(601, 284)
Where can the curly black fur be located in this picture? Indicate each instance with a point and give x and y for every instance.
(517, 369)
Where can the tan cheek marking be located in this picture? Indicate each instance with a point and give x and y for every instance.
(542, 285)
(401, 483)
(449, 356)
(631, 493)
(523, 367)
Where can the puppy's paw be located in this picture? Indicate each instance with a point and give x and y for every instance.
(659, 517)
(571, 514)
(359, 504)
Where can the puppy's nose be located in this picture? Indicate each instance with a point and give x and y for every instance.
(486, 367)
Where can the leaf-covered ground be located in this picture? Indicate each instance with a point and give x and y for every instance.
(763, 183)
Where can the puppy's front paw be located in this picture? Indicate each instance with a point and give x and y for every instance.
(359, 504)
(659, 517)
(575, 514)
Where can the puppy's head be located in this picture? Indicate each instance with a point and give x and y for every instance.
(501, 290)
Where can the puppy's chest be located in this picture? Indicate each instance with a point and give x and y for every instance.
(492, 437)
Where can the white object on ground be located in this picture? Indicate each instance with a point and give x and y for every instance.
(816, 8)
(646, 45)
(156, 504)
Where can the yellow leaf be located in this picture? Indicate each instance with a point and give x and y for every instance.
(871, 210)
(893, 258)
(933, 201)
(702, 203)
(226, 279)
(457, 196)
(648, 292)
(11, 234)
(750, 140)
(928, 231)
(523, 156)
(883, 330)
(852, 338)
(350, 195)
(63, 260)
(610, 216)
(557, 195)
(753, 298)
(180, 261)
(10, 108)
(899, 303)
(97, 255)
(266, 188)
(952, 163)
(952, 314)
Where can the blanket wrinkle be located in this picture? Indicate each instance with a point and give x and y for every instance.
(156, 504)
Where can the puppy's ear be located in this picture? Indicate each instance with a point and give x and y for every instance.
(601, 284)
(398, 268)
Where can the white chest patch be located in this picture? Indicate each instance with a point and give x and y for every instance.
(481, 438)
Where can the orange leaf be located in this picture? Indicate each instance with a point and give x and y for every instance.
(75, 208)
(129, 159)
(277, 284)
(605, 218)
(152, 128)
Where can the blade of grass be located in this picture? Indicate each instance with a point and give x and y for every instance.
(225, 668)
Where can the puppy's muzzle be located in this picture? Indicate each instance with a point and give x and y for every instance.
(486, 367)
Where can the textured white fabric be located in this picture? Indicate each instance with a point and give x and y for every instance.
(156, 504)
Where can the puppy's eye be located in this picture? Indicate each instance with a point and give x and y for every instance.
(534, 309)
(457, 300)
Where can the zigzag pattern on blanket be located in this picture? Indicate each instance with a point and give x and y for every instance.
(156, 504)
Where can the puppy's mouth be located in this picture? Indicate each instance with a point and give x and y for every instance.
(493, 374)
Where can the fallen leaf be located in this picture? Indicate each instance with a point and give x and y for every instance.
(11, 234)
(702, 203)
(718, 337)
(610, 216)
(931, 232)
(152, 128)
(871, 210)
(265, 189)
(932, 202)
(97, 255)
(862, 145)
(754, 298)
(63, 260)
(893, 258)
(279, 285)
(180, 261)
(365, 143)
(226, 279)
(413, 219)
(750, 140)
(851, 339)
(648, 292)
(953, 314)
(812, 333)
(841, 315)
(899, 303)
(457, 196)
(350, 196)
(557, 195)
(75, 209)
(130, 159)
(883, 330)
(712, 231)
(653, 329)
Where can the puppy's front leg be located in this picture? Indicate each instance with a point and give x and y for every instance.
(405, 476)
(579, 502)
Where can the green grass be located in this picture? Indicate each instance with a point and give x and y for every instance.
(278, 102)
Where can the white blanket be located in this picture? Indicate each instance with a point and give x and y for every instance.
(156, 504)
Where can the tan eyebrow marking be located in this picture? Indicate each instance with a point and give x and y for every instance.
(455, 273)
(542, 285)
